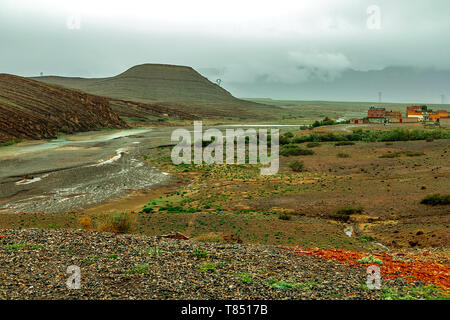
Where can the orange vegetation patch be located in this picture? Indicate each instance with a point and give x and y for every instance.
(394, 266)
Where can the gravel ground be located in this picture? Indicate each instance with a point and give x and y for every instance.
(33, 264)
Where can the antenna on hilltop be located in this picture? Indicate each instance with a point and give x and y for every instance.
(380, 95)
(442, 98)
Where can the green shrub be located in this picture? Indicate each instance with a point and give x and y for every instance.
(117, 222)
(293, 150)
(436, 199)
(344, 143)
(390, 155)
(343, 155)
(414, 153)
(10, 142)
(313, 144)
(207, 267)
(200, 253)
(297, 166)
(139, 269)
(370, 260)
(345, 213)
(284, 216)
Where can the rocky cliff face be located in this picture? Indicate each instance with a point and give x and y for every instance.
(34, 110)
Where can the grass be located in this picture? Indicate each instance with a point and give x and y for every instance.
(294, 150)
(313, 144)
(139, 269)
(343, 155)
(282, 284)
(345, 213)
(370, 260)
(154, 251)
(436, 199)
(90, 261)
(376, 135)
(200, 253)
(245, 277)
(207, 267)
(117, 222)
(21, 246)
(390, 155)
(10, 142)
(344, 143)
(297, 166)
(284, 216)
(365, 238)
(422, 292)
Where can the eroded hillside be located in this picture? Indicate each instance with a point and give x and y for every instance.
(34, 110)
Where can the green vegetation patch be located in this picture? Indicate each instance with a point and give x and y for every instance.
(139, 269)
(421, 292)
(294, 150)
(297, 166)
(345, 213)
(370, 260)
(436, 199)
(200, 253)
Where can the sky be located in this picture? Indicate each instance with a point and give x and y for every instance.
(284, 42)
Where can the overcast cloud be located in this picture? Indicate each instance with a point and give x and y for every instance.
(240, 41)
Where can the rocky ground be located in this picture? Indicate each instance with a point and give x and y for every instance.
(33, 265)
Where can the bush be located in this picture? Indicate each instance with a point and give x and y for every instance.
(343, 155)
(284, 216)
(10, 142)
(297, 166)
(414, 153)
(390, 155)
(370, 260)
(381, 136)
(313, 144)
(344, 143)
(436, 199)
(200, 253)
(345, 213)
(117, 222)
(86, 222)
(293, 150)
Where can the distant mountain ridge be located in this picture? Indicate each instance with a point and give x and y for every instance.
(178, 87)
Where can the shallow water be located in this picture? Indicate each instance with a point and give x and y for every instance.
(19, 149)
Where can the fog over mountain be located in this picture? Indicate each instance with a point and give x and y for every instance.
(397, 84)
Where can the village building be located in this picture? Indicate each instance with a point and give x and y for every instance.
(376, 114)
(435, 116)
(393, 114)
(418, 112)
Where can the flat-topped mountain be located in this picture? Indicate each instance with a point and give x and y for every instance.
(179, 87)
